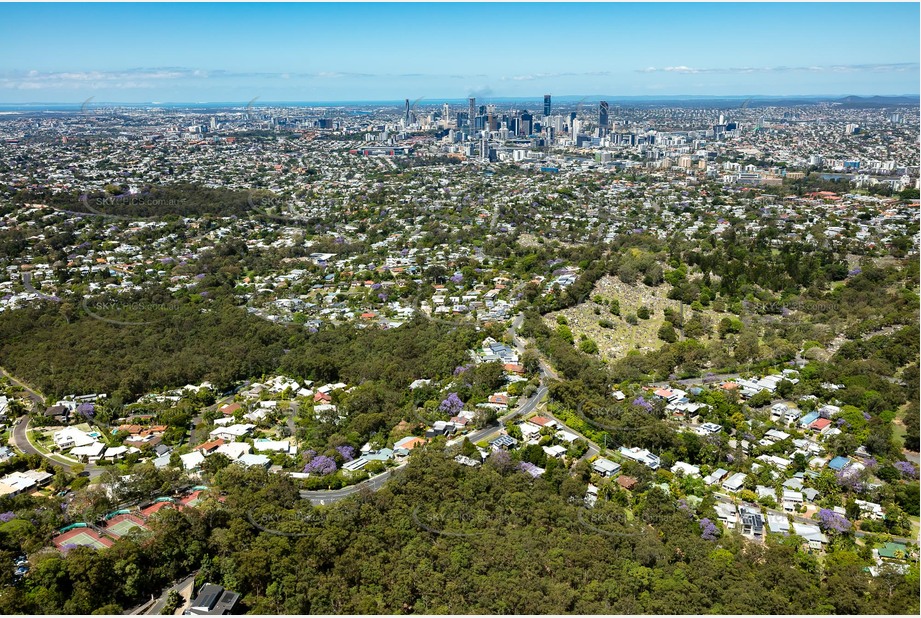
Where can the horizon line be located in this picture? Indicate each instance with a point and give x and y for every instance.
(427, 100)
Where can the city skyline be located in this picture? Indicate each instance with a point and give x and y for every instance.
(383, 52)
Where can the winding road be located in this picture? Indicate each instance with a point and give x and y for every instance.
(375, 483)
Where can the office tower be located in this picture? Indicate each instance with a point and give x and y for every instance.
(546, 105)
(603, 116)
(526, 126)
(722, 120)
(445, 114)
(406, 112)
(471, 109)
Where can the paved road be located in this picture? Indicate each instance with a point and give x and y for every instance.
(157, 607)
(33, 394)
(334, 495)
(19, 439)
(21, 442)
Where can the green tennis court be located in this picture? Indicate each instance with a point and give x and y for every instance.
(123, 527)
(80, 537)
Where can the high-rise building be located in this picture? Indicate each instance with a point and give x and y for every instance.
(546, 105)
(603, 116)
(406, 112)
(526, 125)
(471, 109)
(445, 115)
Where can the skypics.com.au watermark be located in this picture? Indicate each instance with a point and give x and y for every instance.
(619, 521)
(297, 522)
(786, 307)
(102, 206)
(128, 313)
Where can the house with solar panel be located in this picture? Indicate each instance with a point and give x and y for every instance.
(213, 600)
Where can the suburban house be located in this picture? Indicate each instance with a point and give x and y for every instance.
(70, 437)
(726, 513)
(838, 463)
(254, 460)
(735, 482)
(408, 443)
(529, 430)
(542, 421)
(234, 450)
(778, 523)
(232, 433)
(92, 451)
(641, 455)
(209, 447)
(811, 534)
(556, 451)
(791, 499)
(686, 469)
(752, 524)
(191, 461)
(213, 600)
(605, 467)
(230, 409)
(709, 429)
(716, 476)
(503, 442)
(18, 483)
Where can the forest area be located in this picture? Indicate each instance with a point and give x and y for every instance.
(442, 537)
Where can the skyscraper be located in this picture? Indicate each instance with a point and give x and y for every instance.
(546, 105)
(603, 116)
(406, 113)
(526, 125)
(471, 113)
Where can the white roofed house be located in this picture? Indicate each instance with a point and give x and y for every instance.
(92, 451)
(791, 499)
(641, 455)
(811, 534)
(529, 430)
(556, 451)
(716, 476)
(232, 433)
(726, 513)
(277, 446)
(735, 482)
(234, 450)
(250, 460)
(605, 467)
(778, 523)
(70, 437)
(114, 453)
(686, 469)
(191, 461)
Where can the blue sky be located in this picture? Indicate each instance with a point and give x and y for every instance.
(67, 53)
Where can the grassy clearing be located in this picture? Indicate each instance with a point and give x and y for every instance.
(614, 343)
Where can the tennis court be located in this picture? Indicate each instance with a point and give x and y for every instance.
(121, 527)
(82, 536)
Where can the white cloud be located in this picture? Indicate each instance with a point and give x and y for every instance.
(841, 68)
